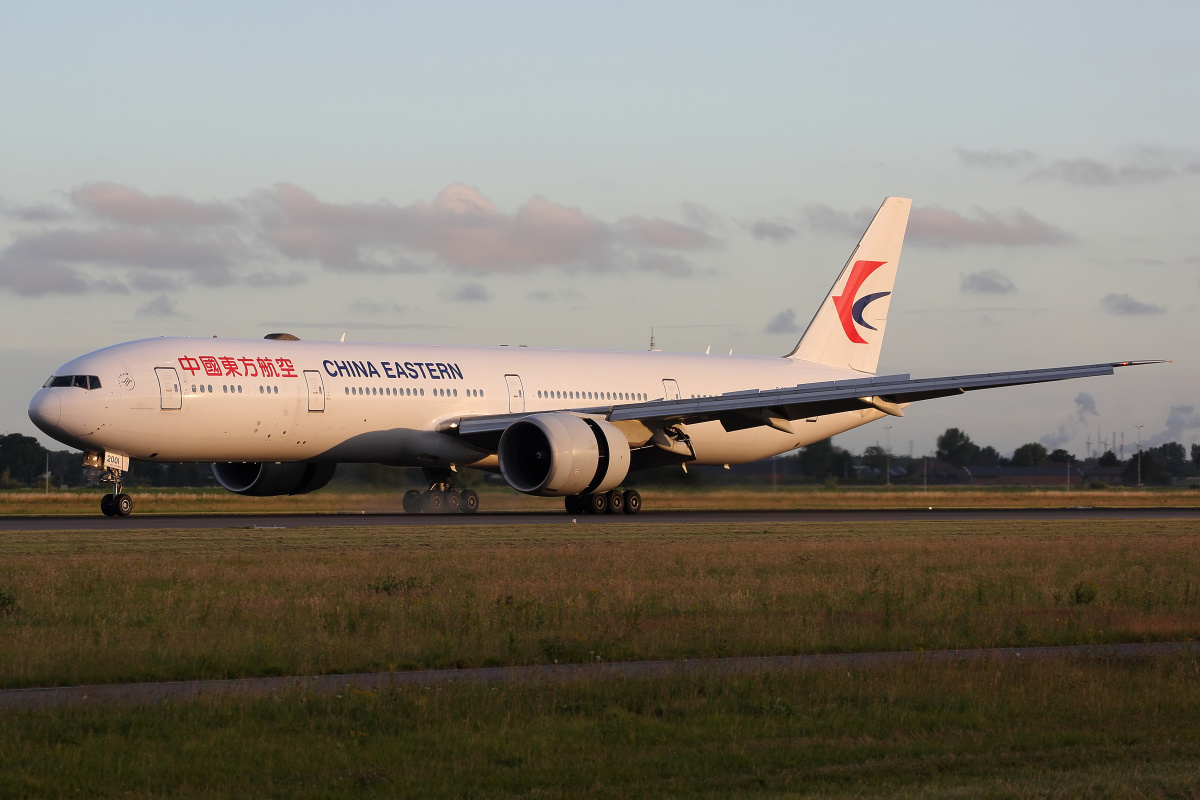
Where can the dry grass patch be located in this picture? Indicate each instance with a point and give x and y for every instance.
(99, 606)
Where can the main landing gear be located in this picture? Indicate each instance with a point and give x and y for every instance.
(441, 497)
(117, 504)
(614, 502)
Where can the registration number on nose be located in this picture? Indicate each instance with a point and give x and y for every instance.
(116, 461)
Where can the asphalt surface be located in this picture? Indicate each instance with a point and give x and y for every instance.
(145, 693)
(371, 520)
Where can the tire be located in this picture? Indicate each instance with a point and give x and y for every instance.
(596, 503)
(453, 502)
(470, 501)
(633, 501)
(107, 505)
(412, 502)
(123, 505)
(616, 502)
(434, 502)
(575, 504)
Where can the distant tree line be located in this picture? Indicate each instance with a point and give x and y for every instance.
(23, 464)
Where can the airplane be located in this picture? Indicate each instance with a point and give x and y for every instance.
(275, 416)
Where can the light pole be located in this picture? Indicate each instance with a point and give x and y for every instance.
(1139, 445)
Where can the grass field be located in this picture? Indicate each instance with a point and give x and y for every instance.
(108, 606)
(1074, 729)
(212, 501)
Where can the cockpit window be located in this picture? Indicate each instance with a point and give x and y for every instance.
(81, 381)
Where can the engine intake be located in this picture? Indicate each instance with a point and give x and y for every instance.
(553, 455)
(270, 479)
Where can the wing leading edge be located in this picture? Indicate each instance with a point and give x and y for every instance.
(778, 408)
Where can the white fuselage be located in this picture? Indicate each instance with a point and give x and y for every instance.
(186, 399)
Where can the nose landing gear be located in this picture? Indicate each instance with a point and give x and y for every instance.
(117, 504)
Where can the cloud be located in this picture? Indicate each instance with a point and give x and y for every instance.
(701, 217)
(1122, 305)
(772, 231)
(824, 219)
(996, 159)
(159, 241)
(566, 295)
(371, 307)
(266, 279)
(1180, 421)
(935, 226)
(1085, 404)
(35, 213)
(1092, 172)
(1053, 441)
(658, 233)
(153, 282)
(783, 322)
(207, 262)
(160, 306)
(129, 206)
(468, 293)
(989, 281)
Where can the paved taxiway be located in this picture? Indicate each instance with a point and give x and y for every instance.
(368, 520)
(141, 693)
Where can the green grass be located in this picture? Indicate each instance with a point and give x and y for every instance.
(112, 606)
(1094, 729)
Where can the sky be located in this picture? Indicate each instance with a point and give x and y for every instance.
(573, 175)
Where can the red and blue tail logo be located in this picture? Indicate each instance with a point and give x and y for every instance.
(849, 309)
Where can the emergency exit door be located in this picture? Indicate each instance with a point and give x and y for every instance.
(670, 389)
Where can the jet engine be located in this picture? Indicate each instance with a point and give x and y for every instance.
(272, 478)
(554, 455)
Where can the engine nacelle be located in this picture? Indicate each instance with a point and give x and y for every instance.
(272, 478)
(553, 455)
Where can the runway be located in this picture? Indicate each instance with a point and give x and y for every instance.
(144, 693)
(201, 521)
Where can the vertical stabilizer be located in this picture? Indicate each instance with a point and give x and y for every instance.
(847, 330)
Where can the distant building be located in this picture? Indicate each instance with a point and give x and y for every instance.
(1045, 475)
(1110, 476)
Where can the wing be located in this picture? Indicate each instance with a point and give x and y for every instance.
(777, 408)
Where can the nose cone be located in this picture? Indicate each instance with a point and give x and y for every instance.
(45, 409)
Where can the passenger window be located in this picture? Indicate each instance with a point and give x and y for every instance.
(261, 390)
(422, 393)
(210, 388)
(456, 392)
(239, 388)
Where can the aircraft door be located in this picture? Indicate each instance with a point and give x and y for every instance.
(516, 393)
(670, 389)
(169, 395)
(316, 390)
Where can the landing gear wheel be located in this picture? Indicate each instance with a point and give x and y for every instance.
(412, 502)
(123, 505)
(108, 505)
(633, 501)
(575, 504)
(434, 502)
(616, 502)
(469, 501)
(596, 503)
(453, 502)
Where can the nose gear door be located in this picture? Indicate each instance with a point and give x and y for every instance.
(169, 394)
(316, 390)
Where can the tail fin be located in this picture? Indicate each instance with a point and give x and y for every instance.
(847, 330)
